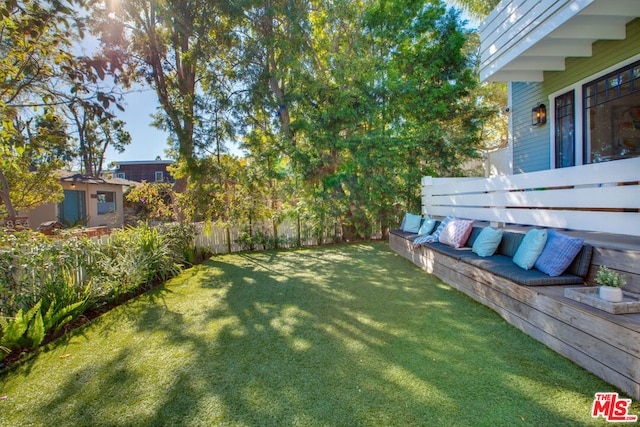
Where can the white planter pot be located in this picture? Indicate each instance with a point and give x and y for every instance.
(611, 294)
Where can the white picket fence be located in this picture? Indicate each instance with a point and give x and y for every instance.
(603, 197)
(221, 238)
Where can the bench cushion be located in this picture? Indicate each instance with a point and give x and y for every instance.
(503, 266)
(475, 232)
(509, 243)
(456, 253)
(406, 234)
(582, 261)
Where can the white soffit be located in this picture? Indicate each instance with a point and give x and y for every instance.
(523, 38)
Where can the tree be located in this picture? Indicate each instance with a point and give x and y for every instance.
(35, 39)
(167, 45)
(36, 149)
(478, 9)
(87, 104)
(95, 133)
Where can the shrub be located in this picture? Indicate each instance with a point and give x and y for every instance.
(46, 283)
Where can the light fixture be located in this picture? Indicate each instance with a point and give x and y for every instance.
(538, 115)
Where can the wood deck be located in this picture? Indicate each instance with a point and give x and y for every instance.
(605, 344)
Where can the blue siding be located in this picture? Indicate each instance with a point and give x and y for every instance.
(530, 143)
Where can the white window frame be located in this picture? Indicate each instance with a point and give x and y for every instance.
(161, 174)
(579, 111)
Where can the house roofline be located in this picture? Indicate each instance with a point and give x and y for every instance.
(521, 39)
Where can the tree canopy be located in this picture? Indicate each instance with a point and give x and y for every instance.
(340, 106)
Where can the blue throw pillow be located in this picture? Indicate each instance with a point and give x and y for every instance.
(487, 241)
(427, 226)
(558, 253)
(435, 236)
(530, 248)
(412, 223)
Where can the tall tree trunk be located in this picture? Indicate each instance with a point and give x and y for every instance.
(4, 195)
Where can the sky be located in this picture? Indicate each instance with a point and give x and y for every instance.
(147, 141)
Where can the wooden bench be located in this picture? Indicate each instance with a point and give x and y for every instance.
(605, 344)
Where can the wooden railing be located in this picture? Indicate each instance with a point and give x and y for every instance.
(602, 197)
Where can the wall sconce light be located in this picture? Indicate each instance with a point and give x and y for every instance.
(538, 115)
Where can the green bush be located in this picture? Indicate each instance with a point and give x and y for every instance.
(54, 281)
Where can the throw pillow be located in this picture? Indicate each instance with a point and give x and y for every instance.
(487, 241)
(456, 232)
(412, 223)
(427, 226)
(421, 240)
(530, 248)
(558, 253)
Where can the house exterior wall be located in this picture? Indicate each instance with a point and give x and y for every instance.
(42, 213)
(606, 53)
(532, 144)
(49, 211)
(143, 172)
(111, 220)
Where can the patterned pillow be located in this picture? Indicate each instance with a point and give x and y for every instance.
(432, 238)
(412, 223)
(427, 226)
(530, 248)
(558, 253)
(487, 242)
(456, 232)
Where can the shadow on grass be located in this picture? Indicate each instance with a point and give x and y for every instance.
(347, 335)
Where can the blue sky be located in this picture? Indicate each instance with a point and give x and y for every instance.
(147, 141)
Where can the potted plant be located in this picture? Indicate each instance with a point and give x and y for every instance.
(610, 284)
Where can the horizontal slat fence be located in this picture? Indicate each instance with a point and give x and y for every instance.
(602, 197)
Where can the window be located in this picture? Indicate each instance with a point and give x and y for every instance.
(121, 175)
(564, 130)
(159, 176)
(612, 115)
(106, 202)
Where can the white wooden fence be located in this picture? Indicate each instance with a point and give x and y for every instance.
(222, 238)
(602, 197)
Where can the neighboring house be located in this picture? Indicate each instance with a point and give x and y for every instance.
(88, 201)
(144, 170)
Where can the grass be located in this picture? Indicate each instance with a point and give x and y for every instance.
(346, 335)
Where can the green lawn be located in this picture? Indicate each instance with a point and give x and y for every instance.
(345, 335)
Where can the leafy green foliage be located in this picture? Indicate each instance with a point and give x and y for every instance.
(24, 330)
(607, 277)
(55, 281)
(152, 201)
(340, 107)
